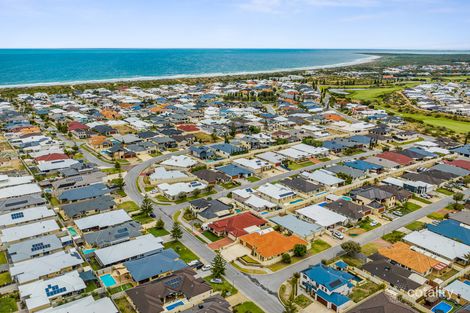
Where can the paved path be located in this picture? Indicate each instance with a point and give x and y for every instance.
(87, 155)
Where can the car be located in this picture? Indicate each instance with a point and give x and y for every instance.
(217, 281)
(194, 263)
(373, 223)
(337, 234)
(206, 267)
(397, 213)
(152, 215)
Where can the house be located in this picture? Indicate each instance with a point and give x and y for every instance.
(383, 303)
(276, 193)
(161, 174)
(453, 230)
(346, 170)
(272, 157)
(294, 225)
(86, 192)
(354, 212)
(328, 286)
(227, 150)
(395, 157)
(363, 166)
(301, 185)
(113, 234)
(103, 220)
(375, 198)
(447, 168)
(154, 296)
(384, 163)
(104, 130)
(99, 204)
(323, 177)
(18, 233)
(26, 215)
(86, 304)
(178, 190)
(237, 225)
(154, 266)
(212, 177)
(254, 165)
(461, 217)
(21, 201)
(403, 254)
(50, 166)
(262, 248)
(293, 154)
(35, 247)
(202, 152)
(179, 161)
(459, 163)
(214, 304)
(458, 291)
(206, 210)
(139, 247)
(234, 171)
(321, 216)
(51, 157)
(401, 195)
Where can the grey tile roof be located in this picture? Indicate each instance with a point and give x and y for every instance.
(102, 203)
(27, 249)
(113, 234)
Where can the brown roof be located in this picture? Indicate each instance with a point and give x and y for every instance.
(382, 303)
(150, 297)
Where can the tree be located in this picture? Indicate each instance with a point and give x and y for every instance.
(300, 250)
(458, 196)
(117, 166)
(146, 206)
(160, 223)
(351, 247)
(176, 232)
(290, 307)
(218, 266)
(466, 180)
(286, 258)
(119, 182)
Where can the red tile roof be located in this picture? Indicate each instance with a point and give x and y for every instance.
(459, 163)
(188, 127)
(396, 157)
(52, 157)
(235, 225)
(76, 125)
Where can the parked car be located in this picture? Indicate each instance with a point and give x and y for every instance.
(397, 213)
(373, 223)
(217, 281)
(337, 234)
(152, 215)
(206, 267)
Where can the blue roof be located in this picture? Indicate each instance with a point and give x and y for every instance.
(233, 170)
(341, 264)
(227, 148)
(335, 298)
(155, 264)
(361, 139)
(463, 149)
(333, 145)
(90, 191)
(329, 277)
(297, 226)
(422, 152)
(452, 230)
(363, 165)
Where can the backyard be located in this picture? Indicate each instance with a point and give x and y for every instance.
(226, 289)
(185, 254)
(8, 303)
(124, 306)
(247, 307)
(363, 291)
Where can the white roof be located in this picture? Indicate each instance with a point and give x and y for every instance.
(294, 153)
(20, 190)
(162, 173)
(272, 157)
(28, 230)
(258, 203)
(36, 295)
(323, 177)
(440, 245)
(254, 164)
(122, 251)
(56, 165)
(179, 161)
(45, 152)
(6, 181)
(88, 304)
(276, 191)
(243, 193)
(25, 215)
(458, 287)
(103, 220)
(321, 216)
(311, 150)
(426, 144)
(177, 188)
(35, 268)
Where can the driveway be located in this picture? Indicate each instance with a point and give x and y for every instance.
(234, 252)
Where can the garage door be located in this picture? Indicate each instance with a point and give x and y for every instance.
(322, 301)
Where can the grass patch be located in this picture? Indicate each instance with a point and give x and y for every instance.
(324, 159)
(120, 193)
(111, 170)
(248, 271)
(5, 278)
(8, 303)
(416, 225)
(319, 246)
(436, 216)
(185, 254)
(249, 259)
(365, 224)
(369, 248)
(90, 286)
(94, 264)
(54, 201)
(425, 201)
(158, 232)
(445, 276)
(211, 236)
(176, 216)
(402, 143)
(303, 301)
(444, 191)
(409, 207)
(364, 290)
(394, 236)
(352, 261)
(142, 218)
(295, 166)
(124, 306)
(225, 288)
(252, 179)
(162, 198)
(247, 307)
(201, 195)
(120, 288)
(128, 206)
(3, 257)
(229, 185)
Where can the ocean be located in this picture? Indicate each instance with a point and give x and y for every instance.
(51, 66)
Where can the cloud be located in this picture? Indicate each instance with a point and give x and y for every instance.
(278, 6)
(265, 6)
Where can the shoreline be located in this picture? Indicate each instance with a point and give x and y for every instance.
(363, 60)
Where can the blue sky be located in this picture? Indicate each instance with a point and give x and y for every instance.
(383, 24)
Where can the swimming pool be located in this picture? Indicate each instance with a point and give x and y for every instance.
(174, 305)
(296, 201)
(467, 282)
(346, 198)
(442, 307)
(108, 280)
(88, 251)
(72, 231)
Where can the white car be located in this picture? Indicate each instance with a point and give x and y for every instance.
(337, 234)
(206, 267)
(373, 223)
(397, 213)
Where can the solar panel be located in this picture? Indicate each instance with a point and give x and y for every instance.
(17, 215)
(335, 283)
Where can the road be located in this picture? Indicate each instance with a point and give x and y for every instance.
(87, 155)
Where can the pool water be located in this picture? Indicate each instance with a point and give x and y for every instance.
(442, 307)
(108, 280)
(467, 282)
(88, 251)
(174, 305)
(72, 231)
(346, 198)
(296, 201)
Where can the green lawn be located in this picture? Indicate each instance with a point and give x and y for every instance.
(162, 198)
(318, 246)
(224, 288)
(142, 218)
(90, 286)
(94, 264)
(402, 143)
(295, 166)
(3, 257)
(120, 288)
(369, 94)
(445, 191)
(158, 232)
(416, 225)
(110, 170)
(436, 216)
(394, 236)
(8, 303)
(303, 301)
(124, 306)
(128, 206)
(365, 224)
(369, 248)
(5, 278)
(209, 235)
(229, 185)
(54, 202)
(247, 307)
(201, 195)
(409, 207)
(185, 254)
(425, 201)
(364, 290)
(249, 259)
(252, 179)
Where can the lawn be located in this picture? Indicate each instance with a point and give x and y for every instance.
(5, 278)
(94, 264)
(394, 236)
(249, 260)
(142, 218)
(8, 303)
(209, 235)
(201, 195)
(425, 201)
(90, 286)
(369, 248)
(369, 94)
(295, 166)
(158, 232)
(124, 306)
(365, 224)
(402, 143)
(248, 271)
(318, 246)
(120, 288)
(303, 301)
(436, 216)
(54, 202)
(162, 198)
(416, 225)
(247, 307)
(111, 170)
(185, 254)
(229, 185)
(364, 290)
(224, 288)
(445, 276)
(252, 179)
(445, 191)
(128, 206)
(3, 257)
(409, 207)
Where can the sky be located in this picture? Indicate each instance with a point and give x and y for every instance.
(378, 24)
